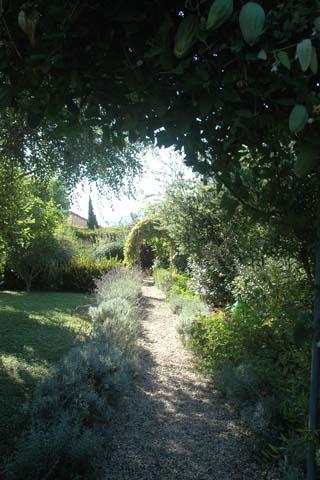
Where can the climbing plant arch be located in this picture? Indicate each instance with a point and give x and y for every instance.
(149, 230)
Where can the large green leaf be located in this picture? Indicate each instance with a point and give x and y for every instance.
(284, 59)
(298, 118)
(251, 20)
(304, 53)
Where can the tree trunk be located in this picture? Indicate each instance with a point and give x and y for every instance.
(28, 282)
(315, 370)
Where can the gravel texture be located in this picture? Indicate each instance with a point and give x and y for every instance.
(172, 424)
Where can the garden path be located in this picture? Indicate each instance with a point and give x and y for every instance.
(173, 424)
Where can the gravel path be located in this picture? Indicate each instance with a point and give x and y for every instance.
(172, 424)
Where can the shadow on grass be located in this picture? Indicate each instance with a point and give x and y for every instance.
(36, 330)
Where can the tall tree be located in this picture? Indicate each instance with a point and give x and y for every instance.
(30, 254)
(92, 220)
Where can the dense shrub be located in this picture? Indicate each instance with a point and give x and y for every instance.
(80, 274)
(212, 273)
(64, 246)
(259, 350)
(72, 407)
(118, 284)
(189, 309)
(275, 287)
(163, 279)
(109, 250)
(205, 236)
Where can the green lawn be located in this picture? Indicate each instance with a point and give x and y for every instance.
(36, 329)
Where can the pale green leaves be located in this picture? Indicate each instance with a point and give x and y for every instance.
(219, 13)
(251, 20)
(298, 118)
(304, 53)
(284, 59)
(186, 36)
(262, 55)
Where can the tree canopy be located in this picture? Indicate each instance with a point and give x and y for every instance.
(141, 69)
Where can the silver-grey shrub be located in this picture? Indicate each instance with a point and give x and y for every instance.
(189, 310)
(119, 283)
(72, 407)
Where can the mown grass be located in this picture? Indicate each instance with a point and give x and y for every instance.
(36, 329)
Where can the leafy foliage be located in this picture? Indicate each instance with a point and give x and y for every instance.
(163, 279)
(129, 84)
(109, 249)
(82, 271)
(240, 101)
(148, 231)
(193, 215)
(259, 348)
(71, 150)
(15, 216)
(181, 298)
(32, 257)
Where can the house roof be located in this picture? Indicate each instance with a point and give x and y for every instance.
(76, 215)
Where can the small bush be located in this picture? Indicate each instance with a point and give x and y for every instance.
(189, 310)
(109, 250)
(172, 283)
(182, 300)
(250, 385)
(72, 406)
(118, 283)
(163, 279)
(180, 285)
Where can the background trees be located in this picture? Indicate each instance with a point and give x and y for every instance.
(92, 220)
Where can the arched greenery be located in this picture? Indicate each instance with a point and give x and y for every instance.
(149, 231)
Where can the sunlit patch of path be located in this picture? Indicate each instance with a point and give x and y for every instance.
(172, 424)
